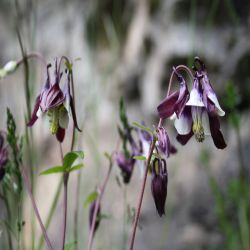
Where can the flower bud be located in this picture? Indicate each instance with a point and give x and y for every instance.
(10, 66)
(126, 166)
(159, 184)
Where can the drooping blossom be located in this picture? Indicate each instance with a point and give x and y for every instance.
(126, 164)
(56, 103)
(159, 184)
(200, 115)
(3, 154)
(175, 102)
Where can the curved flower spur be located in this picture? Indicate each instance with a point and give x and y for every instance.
(56, 103)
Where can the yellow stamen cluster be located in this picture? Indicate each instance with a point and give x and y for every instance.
(198, 130)
(54, 120)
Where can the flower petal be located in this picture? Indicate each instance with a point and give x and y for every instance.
(214, 99)
(205, 123)
(183, 125)
(60, 134)
(217, 136)
(167, 106)
(210, 94)
(63, 118)
(183, 139)
(195, 98)
(182, 99)
(34, 116)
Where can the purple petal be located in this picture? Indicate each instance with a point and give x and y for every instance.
(210, 98)
(196, 95)
(126, 166)
(182, 99)
(60, 134)
(163, 141)
(183, 124)
(216, 134)
(173, 149)
(167, 106)
(159, 187)
(34, 113)
(52, 98)
(183, 139)
(74, 114)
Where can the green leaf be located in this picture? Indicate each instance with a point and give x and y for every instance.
(76, 167)
(123, 116)
(69, 245)
(53, 170)
(90, 198)
(108, 156)
(140, 158)
(135, 124)
(70, 158)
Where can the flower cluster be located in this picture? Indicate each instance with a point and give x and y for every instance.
(58, 104)
(196, 113)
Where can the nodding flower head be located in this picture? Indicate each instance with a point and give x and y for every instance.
(56, 103)
(200, 114)
(3, 154)
(126, 164)
(91, 215)
(175, 102)
(159, 184)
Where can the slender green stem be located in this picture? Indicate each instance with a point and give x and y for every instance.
(65, 206)
(51, 212)
(76, 212)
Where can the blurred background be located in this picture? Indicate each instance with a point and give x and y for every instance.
(127, 48)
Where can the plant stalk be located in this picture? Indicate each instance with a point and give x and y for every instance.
(65, 205)
(97, 205)
(29, 189)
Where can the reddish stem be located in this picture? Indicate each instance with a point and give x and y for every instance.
(138, 210)
(28, 186)
(97, 204)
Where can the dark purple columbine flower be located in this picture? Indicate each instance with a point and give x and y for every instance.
(159, 184)
(126, 165)
(3, 154)
(175, 102)
(56, 103)
(91, 215)
(200, 115)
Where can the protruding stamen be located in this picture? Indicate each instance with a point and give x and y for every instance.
(197, 124)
